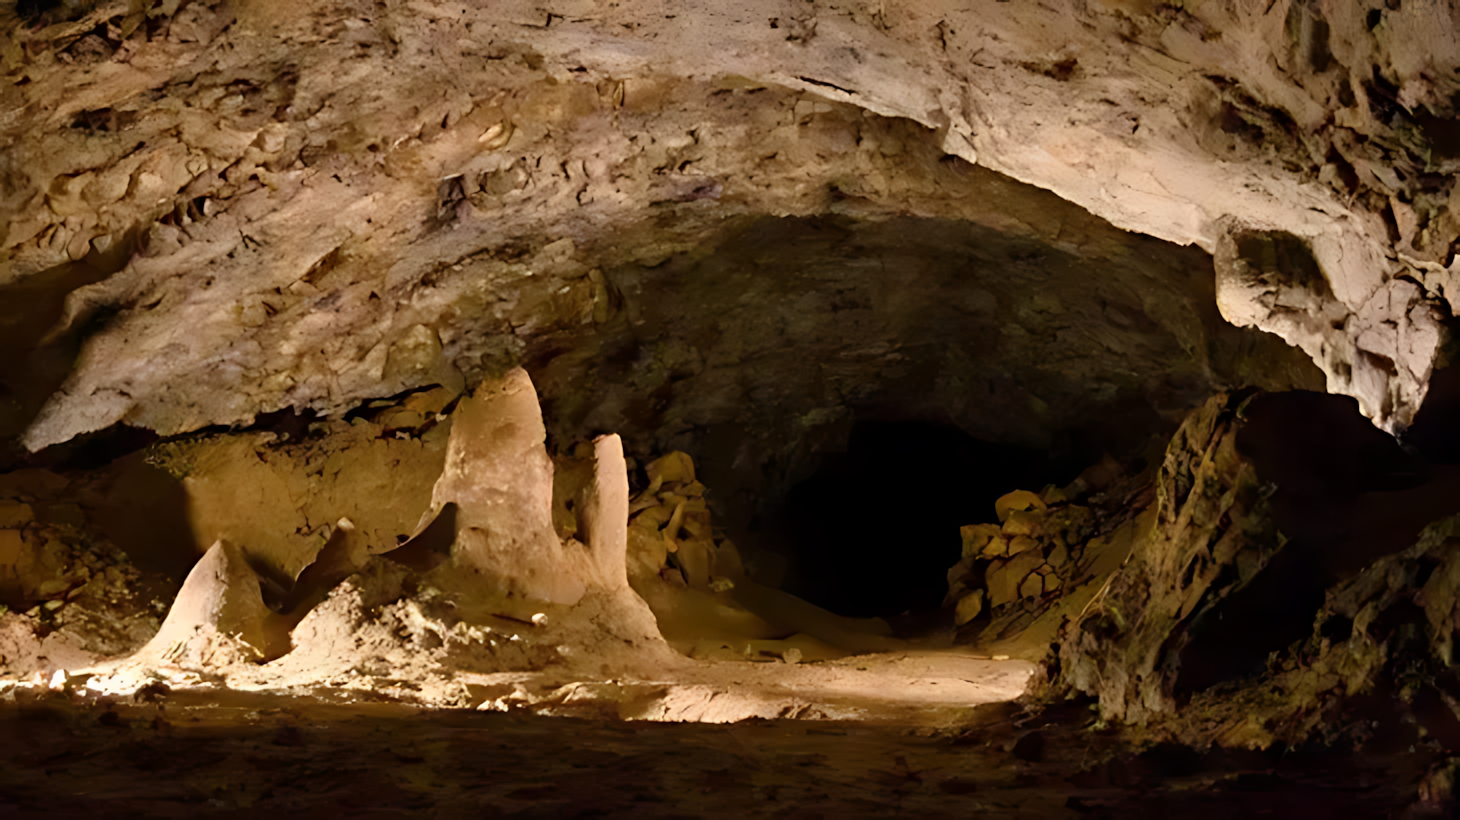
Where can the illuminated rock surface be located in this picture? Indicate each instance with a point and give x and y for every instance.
(719, 362)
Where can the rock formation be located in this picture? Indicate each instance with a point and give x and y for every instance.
(1128, 318)
(334, 237)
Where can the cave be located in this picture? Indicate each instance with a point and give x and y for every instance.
(847, 524)
(567, 407)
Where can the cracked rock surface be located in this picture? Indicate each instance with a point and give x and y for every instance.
(309, 205)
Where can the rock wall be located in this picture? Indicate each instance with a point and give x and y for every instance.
(313, 204)
(1212, 535)
(1290, 585)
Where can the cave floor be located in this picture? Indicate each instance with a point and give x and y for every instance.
(188, 755)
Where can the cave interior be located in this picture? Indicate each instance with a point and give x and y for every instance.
(771, 407)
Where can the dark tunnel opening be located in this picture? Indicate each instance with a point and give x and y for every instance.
(874, 531)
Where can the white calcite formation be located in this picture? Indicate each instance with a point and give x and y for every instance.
(500, 479)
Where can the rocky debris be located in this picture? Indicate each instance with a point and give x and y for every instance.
(67, 596)
(670, 531)
(694, 580)
(1031, 555)
(969, 606)
(675, 563)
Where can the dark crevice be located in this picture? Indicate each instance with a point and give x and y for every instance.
(875, 530)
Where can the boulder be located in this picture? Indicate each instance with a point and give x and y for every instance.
(969, 607)
(1006, 577)
(1017, 501)
(1032, 586)
(977, 538)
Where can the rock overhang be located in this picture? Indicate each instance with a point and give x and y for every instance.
(307, 179)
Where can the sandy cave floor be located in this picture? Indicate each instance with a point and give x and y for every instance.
(927, 731)
(189, 754)
(916, 688)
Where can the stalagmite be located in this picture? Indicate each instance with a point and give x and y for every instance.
(217, 617)
(604, 503)
(501, 480)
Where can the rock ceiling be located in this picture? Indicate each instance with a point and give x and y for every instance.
(255, 206)
(741, 248)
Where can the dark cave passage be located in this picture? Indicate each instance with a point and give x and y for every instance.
(875, 529)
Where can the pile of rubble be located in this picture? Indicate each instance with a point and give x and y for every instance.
(1034, 552)
(707, 606)
(670, 534)
(66, 597)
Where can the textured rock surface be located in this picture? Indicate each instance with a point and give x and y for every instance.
(1211, 517)
(1284, 588)
(1028, 322)
(500, 480)
(282, 496)
(316, 204)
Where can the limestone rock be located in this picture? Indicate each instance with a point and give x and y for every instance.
(1005, 578)
(218, 609)
(1059, 556)
(696, 558)
(1208, 494)
(675, 467)
(14, 515)
(1032, 586)
(1021, 523)
(604, 503)
(969, 607)
(976, 538)
(381, 243)
(500, 478)
(12, 551)
(1017, 501)
(960, 580)
(343, 555)
(1021, 544)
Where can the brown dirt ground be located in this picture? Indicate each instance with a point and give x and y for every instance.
(191, 755)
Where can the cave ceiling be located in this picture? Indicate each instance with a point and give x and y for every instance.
(218, 210)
